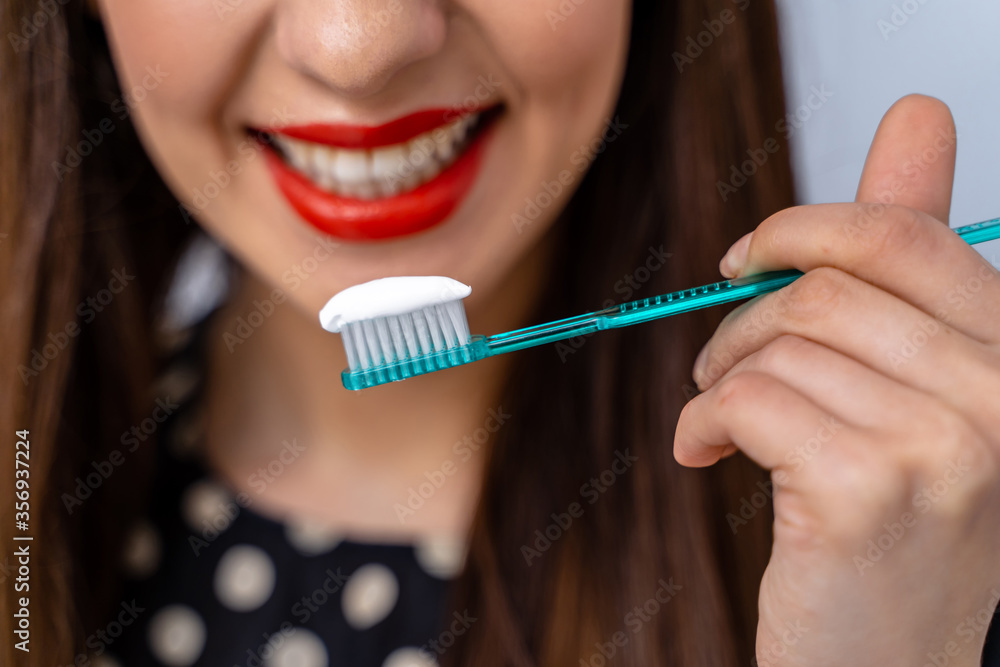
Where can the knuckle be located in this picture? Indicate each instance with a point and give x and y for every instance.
(899, 230)
(737, 387)
(957, 465)
(783, 351)
(816, 294)
(947, 431)
(870, 487)
(768, 236)
(771, 225)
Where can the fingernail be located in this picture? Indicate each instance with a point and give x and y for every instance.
(735, 258)
(699, 366)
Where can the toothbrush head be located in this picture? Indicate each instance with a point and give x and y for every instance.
(396, 328)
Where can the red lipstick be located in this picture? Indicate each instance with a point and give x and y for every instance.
(375, 136)
(385, 217)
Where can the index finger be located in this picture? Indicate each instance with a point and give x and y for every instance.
(893, 237)
(899, 250)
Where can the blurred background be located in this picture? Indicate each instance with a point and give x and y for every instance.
(869, 53)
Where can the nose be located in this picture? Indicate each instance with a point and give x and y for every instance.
(356, 46)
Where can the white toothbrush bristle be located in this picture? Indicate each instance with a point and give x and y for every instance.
(398, 319)
(385, 340)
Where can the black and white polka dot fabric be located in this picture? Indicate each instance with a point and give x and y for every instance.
(215, 583)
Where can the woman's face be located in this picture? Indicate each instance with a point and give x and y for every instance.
(423, 137)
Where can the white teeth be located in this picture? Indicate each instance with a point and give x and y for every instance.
(444, 147)
(421, 151)
(386, 163)
(320, 167)
(351, 166)
(382, 172)
(300, 152)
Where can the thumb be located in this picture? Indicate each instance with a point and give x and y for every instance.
(911, 161)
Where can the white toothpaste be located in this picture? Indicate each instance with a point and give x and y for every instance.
(386, 297)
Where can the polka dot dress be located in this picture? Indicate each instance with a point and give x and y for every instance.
(215, 583)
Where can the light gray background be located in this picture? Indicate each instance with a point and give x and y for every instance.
(946, 48)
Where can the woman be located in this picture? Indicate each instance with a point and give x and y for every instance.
(553, 157)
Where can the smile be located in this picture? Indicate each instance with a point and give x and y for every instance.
(379, 182)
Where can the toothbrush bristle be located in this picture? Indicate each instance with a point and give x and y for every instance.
(398, 327)
(397, 338)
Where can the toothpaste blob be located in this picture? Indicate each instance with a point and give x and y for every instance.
(387, 297)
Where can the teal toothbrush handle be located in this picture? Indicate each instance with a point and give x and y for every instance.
(658, 307)
(644, 310)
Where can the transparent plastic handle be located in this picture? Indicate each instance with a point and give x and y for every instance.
(643, 310)
(624, 315)
(683, 301)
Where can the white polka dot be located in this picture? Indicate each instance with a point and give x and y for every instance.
(177, 635)
(311, 538)
(302, 649)
(177, 383)
(244, 578)
(141, 555)
(207, 505)
(369, 596)
(409, 656)
(441, 557)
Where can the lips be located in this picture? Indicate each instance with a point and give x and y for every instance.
(367, 183)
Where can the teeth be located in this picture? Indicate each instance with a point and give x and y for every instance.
(421, 151)
(385, 163)
(382, 172)
(300, 152)
(320, 167)
(432, 169)
(444, 146)
(350, 166)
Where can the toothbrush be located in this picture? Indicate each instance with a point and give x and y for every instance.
(396, 328)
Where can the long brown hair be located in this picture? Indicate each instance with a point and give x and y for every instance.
(702, 87)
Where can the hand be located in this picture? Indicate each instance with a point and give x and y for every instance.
(870, 387)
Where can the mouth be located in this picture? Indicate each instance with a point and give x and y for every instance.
(367, 183)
